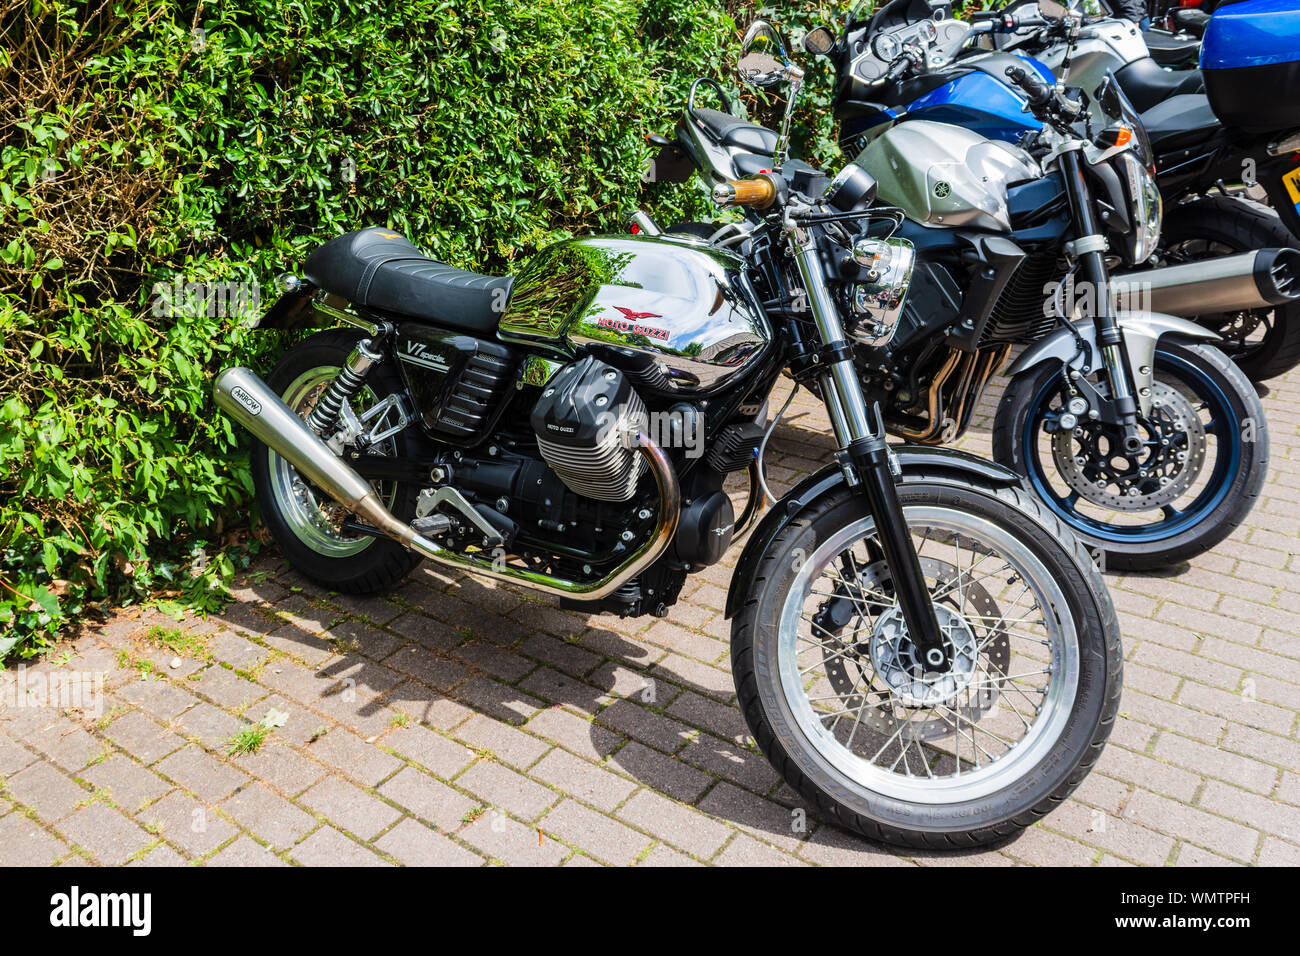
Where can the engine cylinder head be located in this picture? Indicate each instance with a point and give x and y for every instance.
(583, 422)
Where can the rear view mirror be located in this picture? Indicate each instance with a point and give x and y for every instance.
(763, 61)
(819, 42)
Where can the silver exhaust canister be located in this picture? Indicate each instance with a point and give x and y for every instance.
(250, 402)
(1248, 280)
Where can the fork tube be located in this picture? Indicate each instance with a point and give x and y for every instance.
(1110, 338)
(864, 440)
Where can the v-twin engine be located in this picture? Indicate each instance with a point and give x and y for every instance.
(582, 422)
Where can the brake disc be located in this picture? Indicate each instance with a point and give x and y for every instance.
(1175, 448)
(851, 680)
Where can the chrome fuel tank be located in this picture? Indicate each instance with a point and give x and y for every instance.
(681, 315)
(945, 176)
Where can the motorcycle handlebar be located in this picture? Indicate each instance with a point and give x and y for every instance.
(1036, 91)
(759, 192)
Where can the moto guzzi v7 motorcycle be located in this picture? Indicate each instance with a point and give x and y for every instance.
(1128, 423)
(923, 652)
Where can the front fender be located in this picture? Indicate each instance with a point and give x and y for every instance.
(1142, 330)
(916, 461)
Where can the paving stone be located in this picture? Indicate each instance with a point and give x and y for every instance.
(746, 851)
(67, 744)
(129, 785)
(105, 833)
(745, 767)
(212, 726)
(329, 847)
(498, 700)
(188, 824)
(13, 756)
(427, 798)
(680, 826)
(245, 852)
(227, 689)
(47, 791)
(641, 723)
(416, 845)
(664, 855)
(597, 834)
(157, 698)
(160, 856)
(282, 767)
(361, 761)
(511, 842)
(659, 772)
(24, 843)
(267, 815)
(508, 745)
(202, 774)
(350, 808)
(142, 738)
(574, 733)
(425, 705)
(501, 787)
(585, 781)
(436, 753)
(769, 822)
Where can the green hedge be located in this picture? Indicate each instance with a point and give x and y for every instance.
(148, 144)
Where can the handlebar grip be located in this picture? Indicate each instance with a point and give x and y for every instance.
(759, 192)
(979, 15)
(1035, 89)
(898, 68)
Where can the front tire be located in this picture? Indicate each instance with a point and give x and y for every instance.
(302, 519)
(1159, 510)
(920, 764)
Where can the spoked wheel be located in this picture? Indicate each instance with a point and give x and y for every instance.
(1264, 342)
(306, 523)
(1198, 474)
(832, 689)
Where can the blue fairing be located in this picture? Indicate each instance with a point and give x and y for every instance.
(1254, 33)
(978, 102)
(981, 103)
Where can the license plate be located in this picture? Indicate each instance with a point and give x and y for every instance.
(1292, 183)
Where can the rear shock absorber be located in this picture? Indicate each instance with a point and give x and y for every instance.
(324, 417)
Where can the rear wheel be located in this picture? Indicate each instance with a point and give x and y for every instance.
(831, 690)
(305, 522)
(1265, 342)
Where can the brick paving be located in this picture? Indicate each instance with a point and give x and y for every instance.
(455, 722)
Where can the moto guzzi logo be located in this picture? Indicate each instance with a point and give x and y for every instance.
(631, 324)
(248, 401)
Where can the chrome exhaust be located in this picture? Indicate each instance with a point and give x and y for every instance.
(247, 399)
(1249, 280)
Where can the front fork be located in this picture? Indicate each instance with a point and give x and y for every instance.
(1089, 246)
(861, 437)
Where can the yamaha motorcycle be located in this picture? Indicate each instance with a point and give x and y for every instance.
(1128, 423)
(1202, 144)
(922, 650)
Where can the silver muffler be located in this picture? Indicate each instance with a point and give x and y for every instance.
(247, 399)
(1249, 280)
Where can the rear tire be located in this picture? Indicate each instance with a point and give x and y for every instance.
(916, 811)
(1222, 225)
(299, 516)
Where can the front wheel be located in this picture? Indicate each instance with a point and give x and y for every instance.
(833, 694)
(1200, 471)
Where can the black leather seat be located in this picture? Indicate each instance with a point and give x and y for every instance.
(380, 269)
(732, 131)
(1145, 83)
(1191, 20)
(1169, 49)
(1180, 121)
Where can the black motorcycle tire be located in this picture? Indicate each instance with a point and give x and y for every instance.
(1243, 227)
(1246, 483)
(982, 820)
(377, 564)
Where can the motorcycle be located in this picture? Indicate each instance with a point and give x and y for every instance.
(921, 650)
(1201, 143)
(1127, 423)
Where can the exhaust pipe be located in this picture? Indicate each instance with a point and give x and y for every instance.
(247, 399)
(1249, 280)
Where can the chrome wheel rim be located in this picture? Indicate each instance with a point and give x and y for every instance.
(997, 719)
(312, 516)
